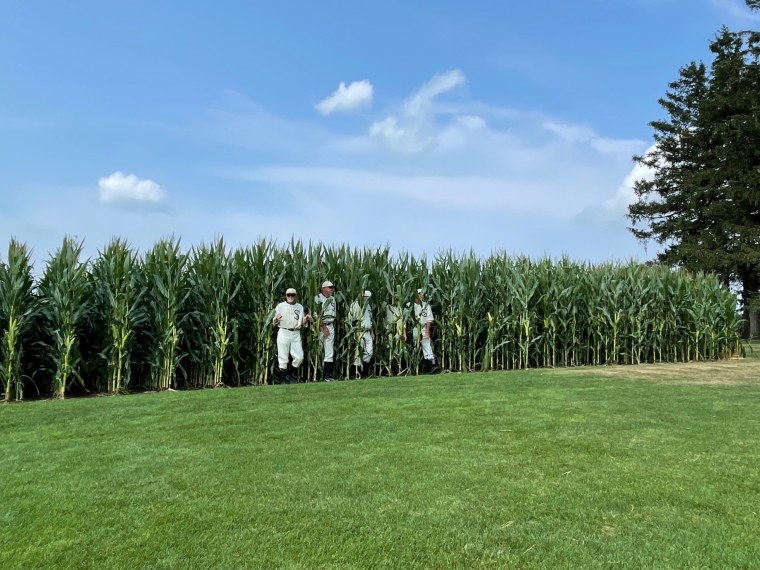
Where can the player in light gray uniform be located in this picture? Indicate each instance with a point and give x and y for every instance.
(394, 321)
(327, 306)
(289, 318)
(361, 314)
(395, 328)
(423, 314)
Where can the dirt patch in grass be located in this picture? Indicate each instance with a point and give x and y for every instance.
(724, 372)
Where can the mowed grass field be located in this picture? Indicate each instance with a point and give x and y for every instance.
(654, 466)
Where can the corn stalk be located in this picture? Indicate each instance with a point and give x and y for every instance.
(65, 301)
(118, 292)
(17, 306)
(166, 279)
(214, 287)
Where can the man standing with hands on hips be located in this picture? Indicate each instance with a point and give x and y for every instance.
(327, 313)
(289, 317)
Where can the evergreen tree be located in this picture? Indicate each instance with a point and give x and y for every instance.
(703, 203)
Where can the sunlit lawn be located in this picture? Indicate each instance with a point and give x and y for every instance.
(539, 469)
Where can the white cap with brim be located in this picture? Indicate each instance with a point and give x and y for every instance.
(420, 291)
(367, 294)
(291, 291)
(327, 284)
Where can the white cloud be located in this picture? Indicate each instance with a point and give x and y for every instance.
(460, 156)
(613, 209)
(357, 95)
(625, 194)
(420, 102)
(387, 128)
(416, 130)
(120, 188)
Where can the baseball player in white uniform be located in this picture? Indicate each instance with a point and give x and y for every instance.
(326, 304)
(394, 321)
(423, 314)
(362, 315)
(289, 318)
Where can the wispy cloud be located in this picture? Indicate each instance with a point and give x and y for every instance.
(357, 95)
(453, 193)
(736, 9)
(583, 134)
(420, 102)
(459, 160)
(412, 130)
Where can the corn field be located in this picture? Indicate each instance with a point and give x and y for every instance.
(171, 318)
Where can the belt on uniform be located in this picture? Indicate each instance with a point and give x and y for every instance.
(291, 330)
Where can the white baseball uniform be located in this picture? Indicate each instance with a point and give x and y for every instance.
(394, 320)
(289, 335)
(364, 319)
(423, 313)
(328, 313)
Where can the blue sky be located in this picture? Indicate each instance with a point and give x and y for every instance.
(428, 125)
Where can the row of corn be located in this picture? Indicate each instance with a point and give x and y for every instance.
(172, 318)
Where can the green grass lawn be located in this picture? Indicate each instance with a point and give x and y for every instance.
(537, 469)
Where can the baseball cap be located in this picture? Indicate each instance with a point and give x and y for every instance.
(420, 291)
(291, 291)
(327, 284)
(367, 294)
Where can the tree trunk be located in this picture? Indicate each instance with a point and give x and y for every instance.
(754, 324)
(750, 283)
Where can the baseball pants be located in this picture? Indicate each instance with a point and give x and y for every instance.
(366, 348)
(328, 343)
(289, 343)
(427, 347)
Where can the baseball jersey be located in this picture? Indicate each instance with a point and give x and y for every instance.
(423, 313)
(329, 308)
(292, 315)
(394, 319)
(365, 318)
